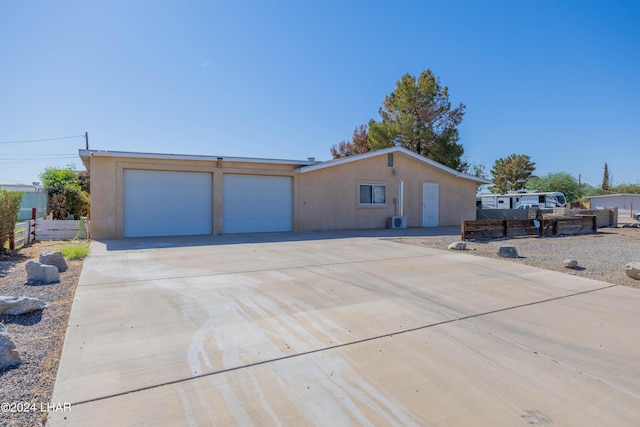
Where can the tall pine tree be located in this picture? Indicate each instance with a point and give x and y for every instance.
(605, 179)
(418, 116)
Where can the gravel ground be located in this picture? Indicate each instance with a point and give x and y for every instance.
(601, 256)
(38, 336)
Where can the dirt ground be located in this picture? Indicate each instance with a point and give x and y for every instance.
(601, 256)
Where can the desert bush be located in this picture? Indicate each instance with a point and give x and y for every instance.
(67, 192)
(10, 202)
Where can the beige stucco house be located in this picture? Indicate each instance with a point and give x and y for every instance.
(145, 194)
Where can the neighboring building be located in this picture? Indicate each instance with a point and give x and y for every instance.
(143, 194)
(34, 197)
(624, 202)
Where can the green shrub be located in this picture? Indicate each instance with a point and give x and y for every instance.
(10, 202)
(67, 192)
(75, 251)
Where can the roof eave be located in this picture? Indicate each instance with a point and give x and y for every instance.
(446, 169)
(104, 153)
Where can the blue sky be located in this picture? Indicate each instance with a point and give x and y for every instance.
(556, 80)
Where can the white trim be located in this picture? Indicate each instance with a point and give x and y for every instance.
(372, 185)
(137, 155)
(384, 151)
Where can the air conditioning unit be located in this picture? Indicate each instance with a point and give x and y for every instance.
(397, 222)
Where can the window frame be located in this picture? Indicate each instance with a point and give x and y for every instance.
(373, 186)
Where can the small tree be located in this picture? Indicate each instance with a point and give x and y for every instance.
(605, 179)
(626, 188)
(10, 202)
(359, 144)
(511, 173)
(560, 181)
(65, 192)
(587, 191)
(475, 169)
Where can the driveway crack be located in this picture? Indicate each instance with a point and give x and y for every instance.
(377, 337)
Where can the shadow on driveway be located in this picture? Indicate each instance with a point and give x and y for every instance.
(133, 243)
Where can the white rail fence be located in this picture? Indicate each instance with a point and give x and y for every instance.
(32, 230)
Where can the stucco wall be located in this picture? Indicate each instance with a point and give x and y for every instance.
(107, 175)
(327, 199)
(624, 202)
(323, 199)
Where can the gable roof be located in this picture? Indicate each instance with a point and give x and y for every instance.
(384, 151)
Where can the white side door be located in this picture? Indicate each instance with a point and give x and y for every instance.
(429, 204)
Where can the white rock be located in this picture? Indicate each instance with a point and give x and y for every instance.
(570, 263)
(53, 258)
(633, 270)
(41, 273)
(9, 355)
(20, 305)
(458, 246)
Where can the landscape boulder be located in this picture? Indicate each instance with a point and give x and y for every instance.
(8, 352)
(54, 258)
(41, 273)
(633, 270)
(570, 263)
(458, 246)
(20, 305)
(507, 252)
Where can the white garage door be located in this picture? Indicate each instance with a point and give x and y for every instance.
(256, 203)
(162, 203)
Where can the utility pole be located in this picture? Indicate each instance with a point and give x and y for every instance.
(579, 186)
(86, 139)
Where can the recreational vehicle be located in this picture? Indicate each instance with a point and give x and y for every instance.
(521, 200)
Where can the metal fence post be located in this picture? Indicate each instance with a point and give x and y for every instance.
(34, 214)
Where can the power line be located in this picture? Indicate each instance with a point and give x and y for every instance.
(41, 140)
(36, 154)
(12, 180)
(35, 159)
(16, 156)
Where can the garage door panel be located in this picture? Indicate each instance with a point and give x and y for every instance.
(167, 203)
(256, 203)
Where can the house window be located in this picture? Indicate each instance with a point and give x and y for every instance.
(373, 194)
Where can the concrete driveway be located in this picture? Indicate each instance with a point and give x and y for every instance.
(320, 329)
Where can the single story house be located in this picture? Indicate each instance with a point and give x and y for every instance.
(150, 194)
(624, 202)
